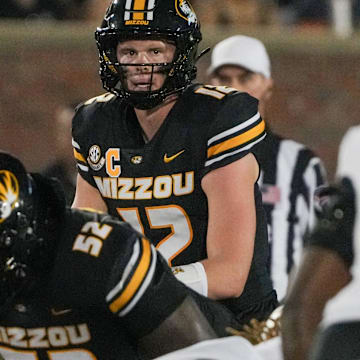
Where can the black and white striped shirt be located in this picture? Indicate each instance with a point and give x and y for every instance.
(290, 173)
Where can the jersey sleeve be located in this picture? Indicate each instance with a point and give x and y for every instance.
(81, 131)
(89, 246)
(142, 290)
(78, 143)
(237, 127)
(106, 266)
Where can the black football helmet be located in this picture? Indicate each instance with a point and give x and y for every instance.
(170, 20)
(24, 219)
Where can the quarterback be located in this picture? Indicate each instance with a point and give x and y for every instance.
(173, 158)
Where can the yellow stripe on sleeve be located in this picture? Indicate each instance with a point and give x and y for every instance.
(136, 280)
(237, 140)
(78, 156)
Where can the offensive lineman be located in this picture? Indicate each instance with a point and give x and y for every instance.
(174, 159)
(81, 285)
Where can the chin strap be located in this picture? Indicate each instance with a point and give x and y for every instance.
(203, 52)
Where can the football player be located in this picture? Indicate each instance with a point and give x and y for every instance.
(81, 285)
(173, 158)
(324, 297)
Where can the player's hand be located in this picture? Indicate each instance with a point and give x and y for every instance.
(258, 331)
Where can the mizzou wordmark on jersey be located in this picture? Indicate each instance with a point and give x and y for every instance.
(92, 291)
(156, 186)
(148, 185)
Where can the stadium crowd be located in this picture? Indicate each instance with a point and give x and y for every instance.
(284, 12)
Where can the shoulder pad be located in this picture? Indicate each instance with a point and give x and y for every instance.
(104, 98)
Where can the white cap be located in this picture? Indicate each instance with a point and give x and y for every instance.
(241, 50)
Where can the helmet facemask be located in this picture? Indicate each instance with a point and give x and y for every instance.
(168, 23)
(177, 76)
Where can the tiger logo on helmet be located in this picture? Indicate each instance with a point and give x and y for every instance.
(9, 193)
(185, 10)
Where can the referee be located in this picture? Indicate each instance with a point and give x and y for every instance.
(290, 171)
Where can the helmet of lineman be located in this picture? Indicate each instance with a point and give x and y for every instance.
(173, 21)
(22, 222)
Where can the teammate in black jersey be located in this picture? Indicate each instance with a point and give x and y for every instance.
(80, 284)
(174, 158)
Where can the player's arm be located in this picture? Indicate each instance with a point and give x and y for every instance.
(324, 271)
(86, 196)
(321, 275)
(228, 176)
(185, 326)
(154, 307)
(231, 227)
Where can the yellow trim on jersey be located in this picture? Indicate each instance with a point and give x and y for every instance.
(237, 140)
(136, 280)
(90, 210)
(78, 156)
(139, 5)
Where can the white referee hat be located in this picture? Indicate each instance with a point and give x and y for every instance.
(241, 50)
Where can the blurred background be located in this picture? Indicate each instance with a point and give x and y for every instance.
(48, 60)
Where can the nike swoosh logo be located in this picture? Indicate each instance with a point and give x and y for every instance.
(60, 312)
(171, 158)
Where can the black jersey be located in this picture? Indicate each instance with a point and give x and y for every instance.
(156, 186)
(94, 302)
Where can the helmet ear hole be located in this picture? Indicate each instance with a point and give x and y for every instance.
(172, 21)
